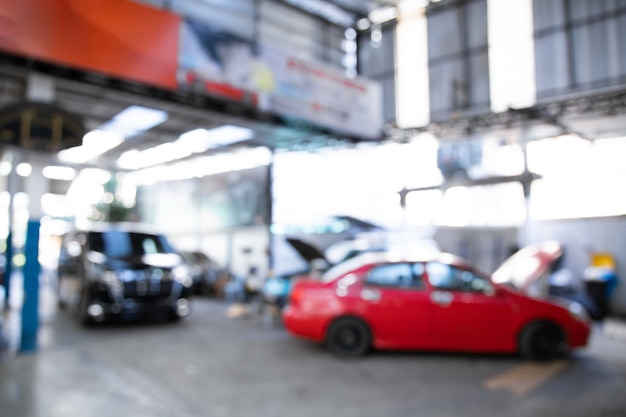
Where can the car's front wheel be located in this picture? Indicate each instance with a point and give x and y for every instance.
(82, 308)
(349, 337)
(543, 340)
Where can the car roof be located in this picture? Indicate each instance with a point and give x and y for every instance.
(396, 256)
(118, 226)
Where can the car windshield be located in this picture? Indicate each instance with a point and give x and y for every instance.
(121, 244)
(347, 266)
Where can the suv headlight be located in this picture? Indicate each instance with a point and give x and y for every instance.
(181, 274)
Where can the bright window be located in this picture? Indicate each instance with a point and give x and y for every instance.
(580, 179)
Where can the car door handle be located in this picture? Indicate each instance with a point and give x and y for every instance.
(369, 294)
(442, 298)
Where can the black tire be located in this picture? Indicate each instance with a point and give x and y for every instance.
(543, 340)
(81, 311)
(173, 317)
(349, 337)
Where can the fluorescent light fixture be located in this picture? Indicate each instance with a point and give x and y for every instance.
(59, 173)
(202, 166)
(160, 154)
(94, 176)
(199, 140)
(56, 205)
(95, 143)
(194, 141)
(130, 122)
(24, 169)
(363, 24)
(134, 120)
(383, 15)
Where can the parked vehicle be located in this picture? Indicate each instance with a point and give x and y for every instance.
(276, 289)
(121, 271)
(204, 271)
(399, 301)
(549, 280)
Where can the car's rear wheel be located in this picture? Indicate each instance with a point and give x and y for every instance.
(543, 340)
(349, 337)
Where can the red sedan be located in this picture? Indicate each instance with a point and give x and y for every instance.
(382, 301)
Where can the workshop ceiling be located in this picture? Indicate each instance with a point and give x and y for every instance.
(96, 100)
(342, 12)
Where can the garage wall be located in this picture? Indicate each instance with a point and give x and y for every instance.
(584, 236)
(489, 247)
(485, 247)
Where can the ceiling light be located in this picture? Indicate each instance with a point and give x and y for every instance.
(59, 173)
(199, 140)
(163, 153)
(160, 154)
(95, 175)
(383, 15)
(24, 169)
(194, 141)
(56, 205)
(95, 143)
(203, 166)
(134, 120)
(363, 24)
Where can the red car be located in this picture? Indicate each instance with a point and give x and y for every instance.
(383, 300)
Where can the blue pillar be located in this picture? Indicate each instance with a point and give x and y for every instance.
(30, 307)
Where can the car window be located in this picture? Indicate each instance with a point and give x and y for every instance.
(448, 277)
(400, 275)
(117, 244)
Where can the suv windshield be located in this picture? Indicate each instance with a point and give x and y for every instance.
(121, 244)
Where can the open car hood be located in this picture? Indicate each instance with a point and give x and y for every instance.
(527, 270)
(308, 251)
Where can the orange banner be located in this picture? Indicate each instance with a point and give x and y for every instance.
(116, 37)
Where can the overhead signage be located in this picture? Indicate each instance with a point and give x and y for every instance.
(217, 63)
(141, 43)
(322, 94)
(126, 39)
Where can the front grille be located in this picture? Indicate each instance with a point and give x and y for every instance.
(149, 285)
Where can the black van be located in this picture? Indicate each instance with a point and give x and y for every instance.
(122, 271)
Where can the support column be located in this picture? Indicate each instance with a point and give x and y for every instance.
(14, 185)
(31, 271)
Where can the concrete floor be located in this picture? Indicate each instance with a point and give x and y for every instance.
(212, 364)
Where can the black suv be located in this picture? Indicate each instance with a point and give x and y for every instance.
(122, 271)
